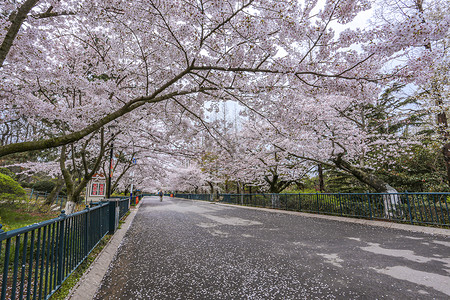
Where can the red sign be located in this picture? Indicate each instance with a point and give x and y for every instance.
(94, 189)
(98, 189)
(101, 189)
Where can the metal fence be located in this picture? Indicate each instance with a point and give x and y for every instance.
(36, 195)
(413, 208)
(204, 197)
(35, 260)
(124, 206)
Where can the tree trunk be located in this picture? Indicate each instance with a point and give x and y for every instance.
(376, 183)
(276, 185)
(56, 190)
(275, 200)
(241, 195)
(70, 205)
(321, 182)
(391, 199)
(446, 152)
(211, 186)
(442, 122)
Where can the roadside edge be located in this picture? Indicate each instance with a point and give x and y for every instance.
(406, 227)
(89, 283)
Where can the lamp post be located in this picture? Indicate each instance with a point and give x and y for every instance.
(131, 190)
(108, 191)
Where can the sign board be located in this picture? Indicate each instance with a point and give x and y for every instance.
(96, 188)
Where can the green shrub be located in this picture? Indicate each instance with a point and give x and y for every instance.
(10, 186)
(25, 184)
(44, 186)
(303, 191)
(7, 172)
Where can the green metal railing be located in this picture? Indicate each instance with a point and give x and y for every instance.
(124, 206)
(36, 195)
(204, 197)
(413, 208)
(36, 259)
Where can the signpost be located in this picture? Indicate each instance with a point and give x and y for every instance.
(96, 188)
(132, 177)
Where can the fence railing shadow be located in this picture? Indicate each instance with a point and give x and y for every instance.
(35, 260)
(412, 208)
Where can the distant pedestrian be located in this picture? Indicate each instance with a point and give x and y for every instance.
(160, 195)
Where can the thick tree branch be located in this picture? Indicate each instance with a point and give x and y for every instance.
(273, 71)
(14, 28)
(50, 14)
(77, 135)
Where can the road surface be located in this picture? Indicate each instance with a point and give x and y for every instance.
(182, 249)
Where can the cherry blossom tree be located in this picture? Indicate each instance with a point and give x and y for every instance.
(420, 29)
(76, 178)
(68, 68)
(187, 178)
(89, 62)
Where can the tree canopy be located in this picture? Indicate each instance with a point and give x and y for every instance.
(304, 74)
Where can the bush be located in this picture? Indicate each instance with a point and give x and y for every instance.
(25, 184)
(303, 191)
(44, 186)
(10, 186)
(7, 172)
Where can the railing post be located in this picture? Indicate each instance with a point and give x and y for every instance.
(61, 248)
(113, 216)
(86, 231)
(370, 205)
(317, 200)
(6, 264)
(340, 203)
(409, 208)
(2, 232)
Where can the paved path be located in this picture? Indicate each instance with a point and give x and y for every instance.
(180, 249)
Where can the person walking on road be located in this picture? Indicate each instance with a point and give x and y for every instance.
(160, 195)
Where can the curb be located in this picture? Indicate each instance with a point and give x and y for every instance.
(87, 286)
(399, 226)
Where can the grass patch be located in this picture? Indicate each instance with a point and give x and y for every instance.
(13, 216)
(72, 280)
(121, 221)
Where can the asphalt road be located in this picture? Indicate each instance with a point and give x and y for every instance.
(181, 249)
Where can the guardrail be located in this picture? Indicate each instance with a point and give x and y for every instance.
(36, 195)
(124, 206)
(413, 208)
(36, 259)
(204, 197)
